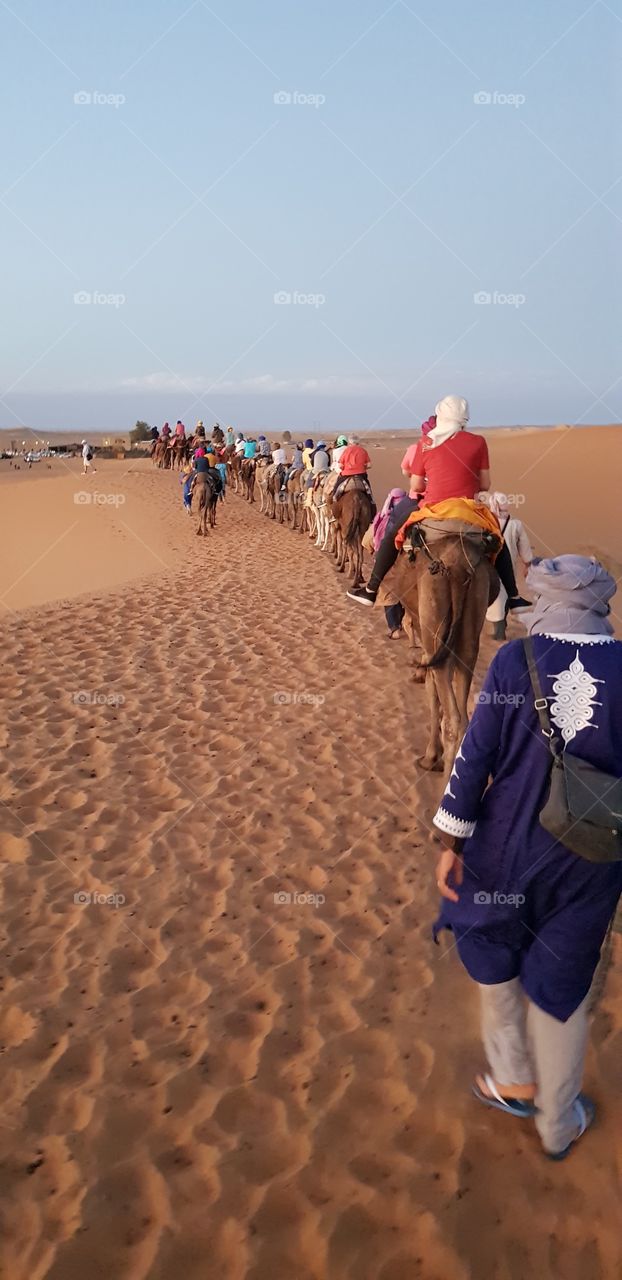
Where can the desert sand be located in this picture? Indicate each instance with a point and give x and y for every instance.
(202, 1080)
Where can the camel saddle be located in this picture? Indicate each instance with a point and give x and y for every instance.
(435, 529)
(425, 534)
(352, 483)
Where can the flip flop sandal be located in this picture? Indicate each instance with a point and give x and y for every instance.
(511, 1106)
(585, 1111)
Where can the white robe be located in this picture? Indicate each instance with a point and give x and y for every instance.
(516, 538)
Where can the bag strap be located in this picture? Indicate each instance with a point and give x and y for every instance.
(540, 703)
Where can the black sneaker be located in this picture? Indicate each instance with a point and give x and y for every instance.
(362, 595)
(517, 602)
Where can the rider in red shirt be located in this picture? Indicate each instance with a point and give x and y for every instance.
(450, 470)
(354, 461)
(448, 462)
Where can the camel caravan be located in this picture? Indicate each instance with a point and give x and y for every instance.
(444, 556)
(440, 556)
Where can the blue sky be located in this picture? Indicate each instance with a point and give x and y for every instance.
(379, 198)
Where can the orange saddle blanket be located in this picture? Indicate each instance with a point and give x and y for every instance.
(463, 509)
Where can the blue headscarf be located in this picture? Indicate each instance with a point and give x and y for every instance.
(572, 595)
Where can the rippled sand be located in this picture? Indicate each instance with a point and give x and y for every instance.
(201, 1079)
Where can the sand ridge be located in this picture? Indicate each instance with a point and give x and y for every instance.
(203, 1080)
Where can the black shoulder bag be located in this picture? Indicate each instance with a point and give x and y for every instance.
(584, 805)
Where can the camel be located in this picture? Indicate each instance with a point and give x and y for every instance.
(262, 471)
(295, 497)
(309, 512)
(322, 496)
(320, 510)
(274, 482)
(247, 476)
(352, 514)
(204, 503)
(234, 463)
(178, 451)
(446, 588)
(161, 454)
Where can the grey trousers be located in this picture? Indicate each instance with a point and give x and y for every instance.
(525, 1045)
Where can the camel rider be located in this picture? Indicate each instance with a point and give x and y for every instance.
(187, 477)
(250, 450)
(207, 472)
(295, 465)
(230, 438)
(341, 444)
(320, 462)
(166, 431)
(306, 454)
(199, 435)
(180, 430)
(221, 467)
(354, 461)
(448, 462)
(279, 456)
(155, 434)
(264, 450)
(240, 443)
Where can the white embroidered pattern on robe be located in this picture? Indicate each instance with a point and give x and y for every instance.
(454, 772)
(462, 827)
(575, 691)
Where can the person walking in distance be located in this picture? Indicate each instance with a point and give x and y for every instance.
(87, 458)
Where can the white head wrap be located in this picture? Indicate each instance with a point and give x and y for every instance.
(452, 415)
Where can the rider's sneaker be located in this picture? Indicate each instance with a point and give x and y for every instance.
(362, 595)
(517, 602)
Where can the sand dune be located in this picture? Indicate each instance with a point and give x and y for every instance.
(202, 1079)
